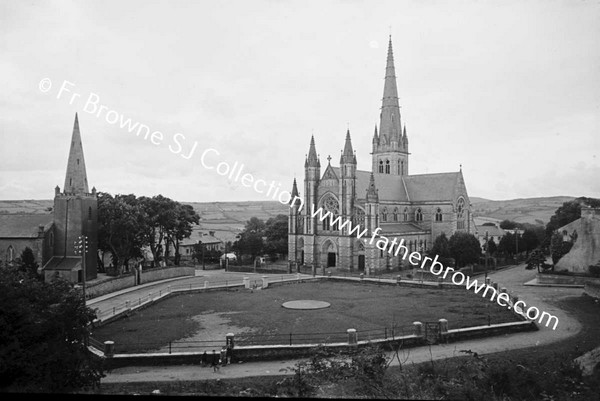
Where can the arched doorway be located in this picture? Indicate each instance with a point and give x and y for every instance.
(329, 254)
(359, 255)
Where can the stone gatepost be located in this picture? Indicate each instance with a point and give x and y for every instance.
(352, 336)
(443, 323)
(246, 282)
(265, 283)
(418, 329)
(109, 349)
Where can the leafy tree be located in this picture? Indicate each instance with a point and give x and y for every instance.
(161, 212)
(489, 224)
(464, 248)
(181, 227)
(28, 264)
(492, 248)
(122, 228)
(509, 225)
(568, 212)
(441, 248)
(251, 239)
(508, 244)
(536, 259)
(530, 240)
(44, 332)
(276, 232)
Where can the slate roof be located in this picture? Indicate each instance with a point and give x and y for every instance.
(409, 188)
(401, 228)
(24, 225)
(68, 263)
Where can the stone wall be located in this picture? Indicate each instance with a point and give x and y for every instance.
(120, 283)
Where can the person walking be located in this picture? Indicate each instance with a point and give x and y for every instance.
(203, 359)
(215, 361)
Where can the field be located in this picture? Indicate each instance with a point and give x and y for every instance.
(258, 317)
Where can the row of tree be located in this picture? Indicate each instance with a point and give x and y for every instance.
(127, 224)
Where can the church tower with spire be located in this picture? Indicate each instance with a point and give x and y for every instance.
(75, 214)
(390, 144)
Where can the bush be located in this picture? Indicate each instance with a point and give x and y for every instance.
(595, 270)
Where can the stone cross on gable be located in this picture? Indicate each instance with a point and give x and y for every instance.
(329, 159)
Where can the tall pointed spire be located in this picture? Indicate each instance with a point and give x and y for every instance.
(348, 153)
(390, 124)
(295, 189)
(76, 178)
(312, 160)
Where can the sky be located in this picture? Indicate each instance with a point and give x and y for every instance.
(508, 89)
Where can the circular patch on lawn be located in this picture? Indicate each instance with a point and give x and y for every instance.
(306, 304)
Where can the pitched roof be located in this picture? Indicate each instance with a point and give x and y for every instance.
(68, 263)
(401, 228)
(24, 225)
(407, 188)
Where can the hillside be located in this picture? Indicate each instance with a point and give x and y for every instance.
(228, 218)
(525, 210)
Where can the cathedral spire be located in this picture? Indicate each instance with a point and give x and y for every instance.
(312, 160)
(76, 178)
(295, 189)
(390, 124)
(348, 153)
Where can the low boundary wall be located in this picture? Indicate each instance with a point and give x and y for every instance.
(119, 283)
(277, 352)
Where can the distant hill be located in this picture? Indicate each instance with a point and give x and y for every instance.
(228, 218)
(526, 210)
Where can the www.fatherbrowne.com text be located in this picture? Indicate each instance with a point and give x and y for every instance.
(435, 267)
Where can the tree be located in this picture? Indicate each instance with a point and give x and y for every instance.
(44, 332)
(530, 240)
(276, 232)
(491, 247)
(181, 227)
(568, 212)
(559, 247)
(536, 259)
(464, 248)
(28, 264)
(489, 224)
(441, 249)
(509, 225)
(251, 239)
(122, 228)
(161, 212)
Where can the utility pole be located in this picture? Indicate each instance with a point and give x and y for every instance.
(81, 248)
(486, 254)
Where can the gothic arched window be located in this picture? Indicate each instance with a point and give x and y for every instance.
(419, 215)
(395, 214)
(359, 217)
(384, 214)
(402, 167)
(381, 166)
(330, 204)
(405, 214)
(10, 254)
(438, 214)
(460, 213)
(89, 213)
(387, 166)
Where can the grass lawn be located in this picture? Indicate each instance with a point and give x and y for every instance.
(259, 317)
(542, 359)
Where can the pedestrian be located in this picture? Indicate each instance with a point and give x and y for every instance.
(223, 356)
(203, 359)
(215, 361)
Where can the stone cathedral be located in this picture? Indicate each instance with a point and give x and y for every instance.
(416, 208)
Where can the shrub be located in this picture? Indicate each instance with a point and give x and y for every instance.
(595, 270)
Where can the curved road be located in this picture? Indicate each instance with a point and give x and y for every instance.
(511, 278)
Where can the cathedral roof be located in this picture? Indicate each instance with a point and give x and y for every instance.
(409, 188)
(24, 225)
(401, 228)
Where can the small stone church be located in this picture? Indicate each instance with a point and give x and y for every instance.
(52, 236)
(416, 208)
